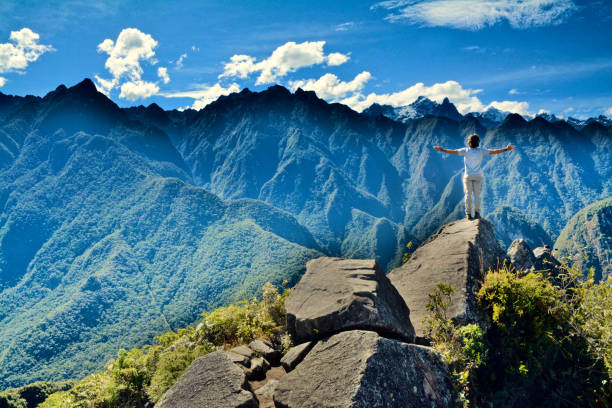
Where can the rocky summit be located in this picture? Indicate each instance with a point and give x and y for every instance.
(457, 254)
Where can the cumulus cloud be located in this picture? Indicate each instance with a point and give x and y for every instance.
(125, 56)
(162, 73)
(134, 90)
(609, 111)
(289, 57)
(466, 100)
(522, 108)
(330, 87)
(336, 58)
(15, 56)
(476, 14)
(205, 95)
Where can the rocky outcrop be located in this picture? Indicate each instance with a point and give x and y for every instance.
(457, 254)
(521, 255)
(545, 261)
(342, 294)
(362, 369)
(210, 381)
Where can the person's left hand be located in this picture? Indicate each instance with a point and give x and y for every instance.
(510, 147)
(438, 148)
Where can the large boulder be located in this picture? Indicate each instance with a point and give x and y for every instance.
(211, 381)
(546, 262)
(338, 294)
(362, 369)
(521, 255)
(457, 255)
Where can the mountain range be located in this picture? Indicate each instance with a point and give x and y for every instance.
(118, 224)
(490, 118)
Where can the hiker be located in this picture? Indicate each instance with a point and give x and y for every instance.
(472, 176)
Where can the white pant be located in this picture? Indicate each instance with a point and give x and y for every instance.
(472, 185)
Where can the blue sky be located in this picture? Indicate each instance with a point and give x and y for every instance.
(523, 56)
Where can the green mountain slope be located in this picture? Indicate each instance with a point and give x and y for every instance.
(103, 245)
(587, 239)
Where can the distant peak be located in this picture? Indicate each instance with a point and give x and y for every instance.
(539, 120)
(277, 90)
(446, 101)
(85, 86)
(513, 119)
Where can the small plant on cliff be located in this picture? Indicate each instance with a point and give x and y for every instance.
(462, 347)
(408, 253)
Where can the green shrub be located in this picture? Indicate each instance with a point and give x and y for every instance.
(31, 395)
(546, 344)
(538, 355)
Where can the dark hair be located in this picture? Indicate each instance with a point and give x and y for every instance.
(473, 141)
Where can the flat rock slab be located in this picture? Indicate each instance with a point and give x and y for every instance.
(362, 369)
(243, 351)
(455, 255)
(338, 294)
(211, 381)
(265, 349)
(295, 355)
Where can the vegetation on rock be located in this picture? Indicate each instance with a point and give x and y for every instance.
(143, 375)
(545, 344)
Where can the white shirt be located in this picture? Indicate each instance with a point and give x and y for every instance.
(472, 159)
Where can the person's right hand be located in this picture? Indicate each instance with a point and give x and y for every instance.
(438, 148)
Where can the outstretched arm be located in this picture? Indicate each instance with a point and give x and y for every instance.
(505, 149)
(449, 151)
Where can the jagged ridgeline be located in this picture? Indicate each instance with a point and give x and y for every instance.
(119, 224)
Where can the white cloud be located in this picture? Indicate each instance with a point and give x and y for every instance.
(609, 111)
(133, 90)
(162, 73)
(345, 26)
(15, 56)
(543, 111)
(194, 48)
(179, 62)
(125, 56)
(476, 14)
(336, 58)
(513, 91)
(522, 108)
(464, 99)
(205, 95)
(2, 81)
(289, 57)
(330, 87)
